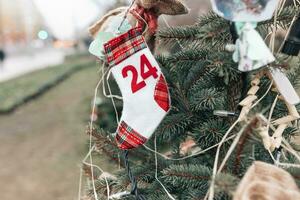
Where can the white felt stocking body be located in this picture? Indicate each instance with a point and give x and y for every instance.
(145, 94)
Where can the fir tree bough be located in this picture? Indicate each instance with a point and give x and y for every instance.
(202, 78)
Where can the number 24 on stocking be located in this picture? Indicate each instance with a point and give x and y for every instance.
(144, 62)
(145, 93)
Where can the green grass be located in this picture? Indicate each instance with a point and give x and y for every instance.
(14, 92)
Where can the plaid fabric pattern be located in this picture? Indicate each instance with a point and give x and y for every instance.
(123, 46)
(161, 94)
(127, 138)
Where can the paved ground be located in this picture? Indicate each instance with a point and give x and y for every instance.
(15, 66)
(43, 142)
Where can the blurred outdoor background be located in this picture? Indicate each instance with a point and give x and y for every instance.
(47, 81)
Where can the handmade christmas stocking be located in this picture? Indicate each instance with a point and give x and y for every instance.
(145, 93)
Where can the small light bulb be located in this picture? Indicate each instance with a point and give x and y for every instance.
(224, 113)
(230, 47)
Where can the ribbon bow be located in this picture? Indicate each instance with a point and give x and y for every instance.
(148, 16)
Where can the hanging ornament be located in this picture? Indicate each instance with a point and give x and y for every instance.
(284, 86)
(286, 93)
(143, 87)
(148, 84)
(247, 103)
(292, 44)
(266, 181)
(134, 67)
(245, 10)
(251, 51)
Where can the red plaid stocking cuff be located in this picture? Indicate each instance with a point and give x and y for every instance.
(123, 46)
(161, 94)
(127, 138)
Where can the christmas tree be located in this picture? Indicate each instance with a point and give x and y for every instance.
(202, 148)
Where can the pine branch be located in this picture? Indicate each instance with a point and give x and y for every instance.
(207, 99)
(187, 175)
(101, 188)
(213, 31)
(186, 59)
(104, 143)
(284, 19)
(201, 78)
(210, 132)
(173, 125)
(191, 65)
(88, 172)
(294, 74)
(207, 18)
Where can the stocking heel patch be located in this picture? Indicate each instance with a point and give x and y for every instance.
(127, 138)
(161, 94)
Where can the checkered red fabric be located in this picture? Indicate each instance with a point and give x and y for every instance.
(147, 16)
(123, 46)
(127, 138)
(161, 94)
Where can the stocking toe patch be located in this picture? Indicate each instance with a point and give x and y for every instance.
(127, 138)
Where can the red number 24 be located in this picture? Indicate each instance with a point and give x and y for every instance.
(144, 62)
